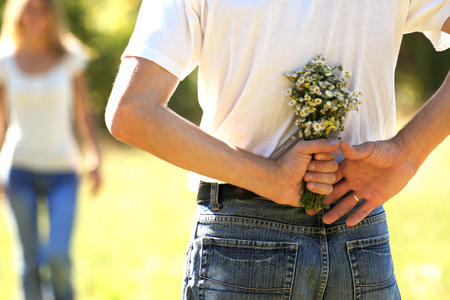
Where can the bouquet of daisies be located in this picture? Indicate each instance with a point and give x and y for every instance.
(320, 99)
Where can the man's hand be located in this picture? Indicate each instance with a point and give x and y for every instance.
(373, 171)
(297, 165)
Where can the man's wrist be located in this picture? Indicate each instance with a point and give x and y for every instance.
(406, 150)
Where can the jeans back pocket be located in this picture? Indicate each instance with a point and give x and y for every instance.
(242, 269)
(373, 268)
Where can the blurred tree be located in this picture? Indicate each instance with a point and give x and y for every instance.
(106, 27)
(420, 72)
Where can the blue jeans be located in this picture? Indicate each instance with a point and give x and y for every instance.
(256, 249)
(23, 189)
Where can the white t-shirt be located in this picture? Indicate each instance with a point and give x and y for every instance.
(40, 134)
(243, 48)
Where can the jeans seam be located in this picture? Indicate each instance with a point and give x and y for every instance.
(325, 271)
(245, 288)
(375, 219)
(377, 284)
(261, 222)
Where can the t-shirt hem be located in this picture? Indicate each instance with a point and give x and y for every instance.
(157, 57)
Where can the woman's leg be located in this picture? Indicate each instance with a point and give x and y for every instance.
(62, 193)
(22, 195)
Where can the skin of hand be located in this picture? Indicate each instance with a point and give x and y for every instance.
(137, 114)
(297, 165)
(377, 171)
(374, 171)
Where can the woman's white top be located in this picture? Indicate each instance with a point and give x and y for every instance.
(40, 135)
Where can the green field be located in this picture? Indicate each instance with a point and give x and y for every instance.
(130, 239)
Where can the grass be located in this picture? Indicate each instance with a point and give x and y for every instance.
(130, 239)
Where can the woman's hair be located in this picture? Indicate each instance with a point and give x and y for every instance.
(11, 34)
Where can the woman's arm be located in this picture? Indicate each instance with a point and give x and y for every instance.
(3, 123)
(137, 114)
(87, 130)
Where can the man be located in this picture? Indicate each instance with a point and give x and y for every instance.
(251, 240)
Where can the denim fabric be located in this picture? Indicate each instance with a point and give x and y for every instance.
(256, 249)
(23, 189)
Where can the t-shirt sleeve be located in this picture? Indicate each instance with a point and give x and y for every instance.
(428, 16)
(168, 32)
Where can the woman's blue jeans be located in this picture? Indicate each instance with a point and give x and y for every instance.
(255, 249)
(23, 189)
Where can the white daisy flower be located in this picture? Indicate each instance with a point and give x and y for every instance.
(316, 127)
(322, 59)
(322, 126)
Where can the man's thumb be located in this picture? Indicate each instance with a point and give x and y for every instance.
(319, 145)
(354, 152)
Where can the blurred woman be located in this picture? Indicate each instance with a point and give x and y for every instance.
(42, 94)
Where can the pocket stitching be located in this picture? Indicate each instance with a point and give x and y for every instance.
(376, 284)
(362, 243)
(207, 242)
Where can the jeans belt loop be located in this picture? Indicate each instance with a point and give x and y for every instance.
(215, 196)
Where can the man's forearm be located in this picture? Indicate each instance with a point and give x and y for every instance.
(137, 114)
(428, 128)
(143, 120)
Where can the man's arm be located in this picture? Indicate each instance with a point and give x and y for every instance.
(446, 26)
(137, 114)
(377, 171)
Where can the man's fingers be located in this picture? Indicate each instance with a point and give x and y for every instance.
(359, 214)
(325, 156)
(343, 207)
(328, 178)
(357, 151)
(319, 188)
(339, 175)
(318, 146)
(346, 205)
(323, 166)
(339, 190)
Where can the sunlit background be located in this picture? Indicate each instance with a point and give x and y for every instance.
(130, 239)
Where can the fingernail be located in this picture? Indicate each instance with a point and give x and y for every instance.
(334, 142)
(317, 157)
